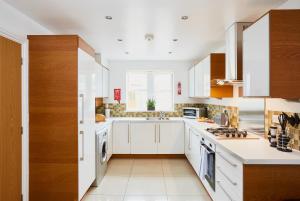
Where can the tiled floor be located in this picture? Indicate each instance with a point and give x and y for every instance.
(149, 180)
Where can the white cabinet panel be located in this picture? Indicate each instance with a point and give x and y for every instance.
(105, 82)
(187, 141)
(256, 58)
(86, 117)
(171, 138)
(109, 141)
(192, 82)
(99, 81)
(198, 80)
(121, 138)
(143, 138)
(195, 150)
(205, 84)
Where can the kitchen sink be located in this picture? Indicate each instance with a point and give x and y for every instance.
(156, 118)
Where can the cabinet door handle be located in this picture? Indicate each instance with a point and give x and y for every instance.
(82, 108)
(82, 146)
(159, 133)
(228, 161)
(155, 134)
(220, 185)
(227, 177)
(128, 134)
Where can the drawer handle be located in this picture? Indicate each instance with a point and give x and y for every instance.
(228, 161)
(220, 185)
(227, 177)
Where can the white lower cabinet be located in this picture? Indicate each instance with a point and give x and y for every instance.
(148, 137)
(195, 159)
(109, 141)
(121, 137)
(229, 177)
(187, 141)
(143, 138)
(171, 138)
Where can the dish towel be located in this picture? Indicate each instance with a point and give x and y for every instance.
(203, 163)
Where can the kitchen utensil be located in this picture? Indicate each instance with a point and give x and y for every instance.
(272, 136)
(282, 118)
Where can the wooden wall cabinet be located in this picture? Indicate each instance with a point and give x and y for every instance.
(62, 94)
(271, 56)
(202, 78)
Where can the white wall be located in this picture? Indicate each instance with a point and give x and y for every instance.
(16, 26)
(118, 76)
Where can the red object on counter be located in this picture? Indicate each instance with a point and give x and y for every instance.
(179, 88)
(117, 95)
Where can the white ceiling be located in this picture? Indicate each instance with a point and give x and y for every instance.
(132, 19)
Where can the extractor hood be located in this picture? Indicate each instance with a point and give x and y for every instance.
(234, 54)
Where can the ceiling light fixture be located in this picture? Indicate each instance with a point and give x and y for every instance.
(120, 39)
(108, 17)
(184, 17)
(170, 52)
(149, 37)
(126, 52)
(175, 39)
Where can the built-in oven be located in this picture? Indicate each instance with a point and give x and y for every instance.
(191, 112)
(208, 163)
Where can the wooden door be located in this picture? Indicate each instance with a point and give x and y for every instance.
(10, 120)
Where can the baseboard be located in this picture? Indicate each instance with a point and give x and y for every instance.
(150, 156)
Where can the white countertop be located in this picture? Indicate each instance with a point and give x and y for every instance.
(249, 151)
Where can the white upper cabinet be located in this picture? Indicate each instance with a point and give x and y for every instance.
(121, 138)
(171, 138)
(202, 78)
(143, 138)
(271, 56)
(192, 82)
(105, 82)
(256, 58)
(99, 80)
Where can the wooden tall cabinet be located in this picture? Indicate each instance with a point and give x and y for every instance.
(271, 55)
(62, 76)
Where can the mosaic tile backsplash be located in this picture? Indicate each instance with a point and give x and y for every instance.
(119, 110)
(294, 133)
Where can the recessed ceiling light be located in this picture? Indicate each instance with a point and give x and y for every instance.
(108, 17)
(126, 52)
(175, 39)
(120, 39)
(170, 52)
(184, 17)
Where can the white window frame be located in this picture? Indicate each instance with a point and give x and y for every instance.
(150, 90)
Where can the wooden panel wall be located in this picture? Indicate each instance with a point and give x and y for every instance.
(10, 120)
(285, 54)
(53, 97)
(217, 69)
(271, 182)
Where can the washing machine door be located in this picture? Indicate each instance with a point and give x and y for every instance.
(103, 151)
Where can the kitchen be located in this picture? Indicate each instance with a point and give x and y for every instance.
(123, 105)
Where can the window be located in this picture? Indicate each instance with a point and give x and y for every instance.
(143, 85)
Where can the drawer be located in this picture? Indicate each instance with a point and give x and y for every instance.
(225, 190)
(229, 163)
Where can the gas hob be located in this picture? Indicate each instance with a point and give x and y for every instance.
(231, 133)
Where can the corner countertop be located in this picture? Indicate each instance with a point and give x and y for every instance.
(249, 151)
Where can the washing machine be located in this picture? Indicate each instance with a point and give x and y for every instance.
(101, 155)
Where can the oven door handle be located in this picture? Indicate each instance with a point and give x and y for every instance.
(209, 150)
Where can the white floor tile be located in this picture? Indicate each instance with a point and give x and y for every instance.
(189, 198)
(184, 186)
(111, 185)
(146, 186)
(177, 168)
(145, 198)
(102, 198)
(119, 167)
(147, 168)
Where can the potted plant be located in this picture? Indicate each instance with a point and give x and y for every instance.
(151, 104)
